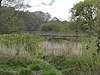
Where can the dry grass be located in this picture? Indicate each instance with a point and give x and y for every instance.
(69, 48)
(14, 52)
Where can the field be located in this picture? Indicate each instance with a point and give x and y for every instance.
(34, 55)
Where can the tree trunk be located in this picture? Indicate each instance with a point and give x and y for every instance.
(0, 2)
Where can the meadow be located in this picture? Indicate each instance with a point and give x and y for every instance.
(35, 55)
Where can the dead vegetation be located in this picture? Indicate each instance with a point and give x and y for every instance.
(69, 48)
(14, 52)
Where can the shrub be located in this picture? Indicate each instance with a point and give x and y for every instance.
(51, 71)
(45, 68)
(51, 27)
(15, 47)
(26, 71)
(29, 41)
(4, 72)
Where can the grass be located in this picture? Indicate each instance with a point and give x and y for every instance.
(63, 47)
(31, 55)
(77, 65)
(17, 56)
(37, 66)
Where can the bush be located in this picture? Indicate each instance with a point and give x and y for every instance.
(31, 42)
(77, 65)
(15, 47)
(45, 68)
(26, 71)
(51, 71)
(51, 27)
(61, 62)
(4, 72)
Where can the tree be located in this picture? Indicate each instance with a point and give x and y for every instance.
(0, 2)
(69, 27)
(13, 3)
(8, 22)
(11, 10)
(32, 20)
(40, 17)
(97, 4)
(84, 13)
(52, 26)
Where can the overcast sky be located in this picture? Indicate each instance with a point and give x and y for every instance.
(59, 9)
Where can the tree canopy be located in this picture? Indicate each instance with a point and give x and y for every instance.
(52, 26)
(85, 15)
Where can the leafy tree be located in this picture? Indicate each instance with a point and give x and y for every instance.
(69, 27)
(24, 21)
(14, 3)
(32, 20)
(84, 13)
(97, 4)
(12, 15)
(9, 23)
(40, 17)
(97, 22)
(52, 26)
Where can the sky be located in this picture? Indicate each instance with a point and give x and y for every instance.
(59, 9)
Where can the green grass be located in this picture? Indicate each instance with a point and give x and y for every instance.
(77, 65)
(29, 69)
(31, 42)
(30, 61)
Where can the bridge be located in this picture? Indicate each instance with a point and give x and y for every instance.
(55, 35)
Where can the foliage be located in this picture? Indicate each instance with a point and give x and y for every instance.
(86, 18)
(19, 53)
(30, 69)
(3, 72)
(70, 27)
(51, 26)
(76, 65)
(32, 20)
(26, 71)
(14, 21)
(16, 39)
(9, 23)
(18, 4)
(45, 68)
(87, 63)
(84, 14)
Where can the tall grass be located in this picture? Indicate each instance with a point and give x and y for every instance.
(62, 47)
(14, 53)
(18, 47)
(29, 55)
(29, 41)
(86, 45)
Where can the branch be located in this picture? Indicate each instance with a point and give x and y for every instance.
(49, 3)
(43, 3)
(0, 2)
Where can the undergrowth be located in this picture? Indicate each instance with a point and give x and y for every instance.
(20, 55)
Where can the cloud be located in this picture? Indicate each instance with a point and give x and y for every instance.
(59, 9)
